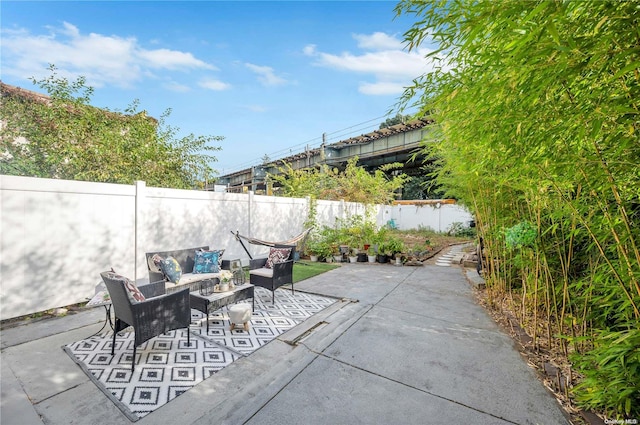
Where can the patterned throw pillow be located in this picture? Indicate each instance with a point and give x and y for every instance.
(157, 260)
(220, 252)
(206, 262)
(277, 255)
(171, 269)
(134, 294)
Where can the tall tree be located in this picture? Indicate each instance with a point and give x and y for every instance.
(354, 184)
(63, 136)
(398, 119)
(537, 108)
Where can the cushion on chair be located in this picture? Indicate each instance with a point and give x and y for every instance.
(263, 271)
(207, 262)
(277, 255)
(134, 294)
(171, 269)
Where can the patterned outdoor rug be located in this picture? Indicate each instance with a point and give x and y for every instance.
(166, 367)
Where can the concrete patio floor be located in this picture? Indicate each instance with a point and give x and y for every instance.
(406, 345)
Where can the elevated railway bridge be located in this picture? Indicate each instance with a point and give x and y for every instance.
(384, 146)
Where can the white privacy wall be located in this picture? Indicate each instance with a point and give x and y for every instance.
(56, 236)
(435, 217)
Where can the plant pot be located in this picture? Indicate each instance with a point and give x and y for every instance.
(337, 258)
(371, 258)
(382, 258)
(362, 257)
(313, 258)
(353, 259)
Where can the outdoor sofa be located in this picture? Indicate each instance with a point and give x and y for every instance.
(186, 258)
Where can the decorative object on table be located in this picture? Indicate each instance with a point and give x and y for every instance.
(239, 315)
(100, 298)
(207, 287)
(238, 272)
(226, 283)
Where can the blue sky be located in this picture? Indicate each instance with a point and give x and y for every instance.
(270, 77)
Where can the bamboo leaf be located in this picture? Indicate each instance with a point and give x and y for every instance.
(627, 69)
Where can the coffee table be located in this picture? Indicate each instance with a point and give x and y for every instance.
(217, 300)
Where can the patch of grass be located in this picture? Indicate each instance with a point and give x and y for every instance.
(304, 269)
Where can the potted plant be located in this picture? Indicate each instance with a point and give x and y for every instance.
(382, 253)
(371, 254)
(394, 245)
(353, 255)
(318, 247)
(313, 248)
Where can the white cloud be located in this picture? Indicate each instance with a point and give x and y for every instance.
(309, 50)
(266, 75)
(103, 60)
(172, 59)
(382, 57)
(381, 88)
(383, 64)
(215, 85)
(378, 41)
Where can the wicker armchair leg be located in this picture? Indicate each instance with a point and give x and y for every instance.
(133, 361)
(113, 343)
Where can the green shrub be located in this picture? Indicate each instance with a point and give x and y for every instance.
(616, 361)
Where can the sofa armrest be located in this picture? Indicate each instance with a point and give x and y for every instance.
(153, 289)
(283, 269)
(226, 265)
(160, 314)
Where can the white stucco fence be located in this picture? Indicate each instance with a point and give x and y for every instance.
(56, 236)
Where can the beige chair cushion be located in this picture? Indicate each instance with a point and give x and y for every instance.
(265, 272)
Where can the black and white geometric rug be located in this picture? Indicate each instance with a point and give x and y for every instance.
(166, 367)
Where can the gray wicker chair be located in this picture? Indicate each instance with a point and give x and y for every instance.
(272, 279)
(149, 318)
